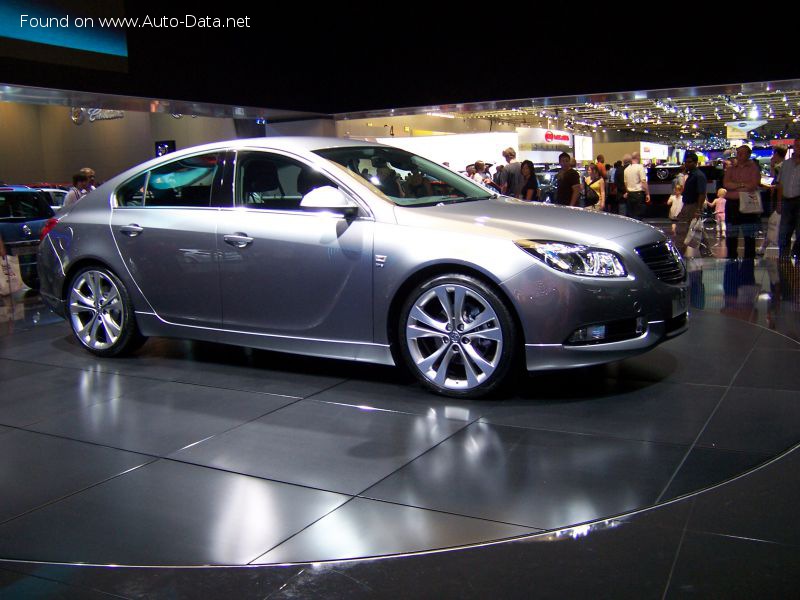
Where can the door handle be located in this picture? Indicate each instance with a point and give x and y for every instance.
(238, 240)
(131, 230)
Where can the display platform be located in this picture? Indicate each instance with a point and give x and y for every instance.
(200, 454)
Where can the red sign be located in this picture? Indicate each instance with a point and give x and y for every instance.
(786, 143)
(551, 137)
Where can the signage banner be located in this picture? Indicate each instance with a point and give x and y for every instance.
(534, 139)
(745, 125)
(654, 151)
(735, 133)
(583, 148)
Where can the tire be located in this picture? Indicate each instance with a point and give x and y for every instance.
(95, 291)
(457, 336)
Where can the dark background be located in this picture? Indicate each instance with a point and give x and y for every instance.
(343, 58)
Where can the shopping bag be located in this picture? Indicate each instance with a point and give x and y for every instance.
(773, 227)
(10, 276)
(695, 234)
(750, 203)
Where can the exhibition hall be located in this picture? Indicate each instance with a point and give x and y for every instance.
(391, 323)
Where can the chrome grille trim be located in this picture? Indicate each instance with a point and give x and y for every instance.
(664, 261)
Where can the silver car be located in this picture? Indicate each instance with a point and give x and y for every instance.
(357, 251)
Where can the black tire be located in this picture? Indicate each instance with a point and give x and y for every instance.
(96, 291)
(481, 352)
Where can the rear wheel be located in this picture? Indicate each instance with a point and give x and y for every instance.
(101, 313)
(457, 336)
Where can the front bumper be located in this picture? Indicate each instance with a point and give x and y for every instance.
(545, 357)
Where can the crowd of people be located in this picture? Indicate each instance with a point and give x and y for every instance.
(622, 188)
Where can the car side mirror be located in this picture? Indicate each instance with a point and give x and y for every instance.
(329, 199)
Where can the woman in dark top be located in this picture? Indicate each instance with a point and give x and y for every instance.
(530, 186)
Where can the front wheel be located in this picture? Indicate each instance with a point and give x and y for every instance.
(457, 336)
(101, 313)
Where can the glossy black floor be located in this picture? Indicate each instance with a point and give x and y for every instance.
(199, 454)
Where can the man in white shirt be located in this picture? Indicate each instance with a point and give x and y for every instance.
(789, 204)
(638, 193)
(80, 183)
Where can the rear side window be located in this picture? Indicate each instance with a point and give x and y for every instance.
(184, 183)
(24, 206)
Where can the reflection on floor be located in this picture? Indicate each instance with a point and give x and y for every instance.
(194, 453)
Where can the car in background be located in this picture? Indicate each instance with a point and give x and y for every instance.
(310, 246)
(56, 196)
(24, 212)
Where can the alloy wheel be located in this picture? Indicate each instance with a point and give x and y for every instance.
(454, 337)
(97, 312)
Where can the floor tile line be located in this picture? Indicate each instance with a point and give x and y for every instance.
(89, 370)
(678, 551)
(77, 441)
(693, 445)
(76, 492)
(330, 387)
(534, 530)
(603, 436)
(403, 466)
(59, 413)
(371, 408)
(232, 389)
(242, 474)
(741, 538)
(242, 424)
(70, 586)
(330, 512)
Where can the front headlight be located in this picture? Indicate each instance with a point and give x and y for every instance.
(575, 258)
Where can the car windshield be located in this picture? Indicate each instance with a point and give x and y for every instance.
(404, 178)
(24, 206)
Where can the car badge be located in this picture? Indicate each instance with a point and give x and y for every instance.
(380, 260)
(27, 230)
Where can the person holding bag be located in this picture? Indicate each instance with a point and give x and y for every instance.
(595, 189)
(690, 219)
(743, 204)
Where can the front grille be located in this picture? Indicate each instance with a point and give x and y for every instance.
(664, 261)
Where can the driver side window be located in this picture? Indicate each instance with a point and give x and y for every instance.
(273, 182)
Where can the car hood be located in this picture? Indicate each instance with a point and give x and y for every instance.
(513, 219)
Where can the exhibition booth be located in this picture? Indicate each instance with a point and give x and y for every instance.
(311, 414)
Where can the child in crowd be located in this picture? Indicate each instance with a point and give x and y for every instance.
(719, 210)
(675, 204)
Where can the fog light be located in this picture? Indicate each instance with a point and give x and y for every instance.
(592, 333)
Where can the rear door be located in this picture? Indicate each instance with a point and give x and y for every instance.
(164, 224)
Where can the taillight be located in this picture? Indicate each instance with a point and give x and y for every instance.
(48, 227)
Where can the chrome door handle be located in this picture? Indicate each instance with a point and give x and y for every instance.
(238, 240)
(131, 230)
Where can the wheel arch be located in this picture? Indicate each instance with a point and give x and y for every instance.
(76, 267)
(429, 272)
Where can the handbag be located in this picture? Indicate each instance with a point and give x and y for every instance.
(592, 197)
(750, 203)
(10, 276)
(695, 234)
(773, 227)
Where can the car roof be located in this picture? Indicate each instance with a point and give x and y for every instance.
(296, 144)
(17, 188)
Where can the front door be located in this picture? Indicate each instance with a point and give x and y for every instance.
(286, 271)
